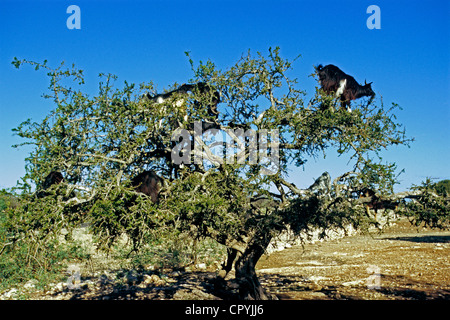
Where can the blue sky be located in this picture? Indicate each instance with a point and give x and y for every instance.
(408, 59)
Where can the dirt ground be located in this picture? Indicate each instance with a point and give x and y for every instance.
(403, 263)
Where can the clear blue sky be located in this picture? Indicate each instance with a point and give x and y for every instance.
(408, 59)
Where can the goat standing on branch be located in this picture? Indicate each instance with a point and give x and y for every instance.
(53, 178)
(148, 183)
(334, 80)
(202, 89)
(322, 185)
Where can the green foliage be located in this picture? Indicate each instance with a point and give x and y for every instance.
(172, 249)
(120, 214)
(432, 206)
(39, 256)
(443, 188)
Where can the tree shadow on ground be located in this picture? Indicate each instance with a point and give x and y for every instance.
(207, 286)
(423, 239)
(183, 286)
(411, 289)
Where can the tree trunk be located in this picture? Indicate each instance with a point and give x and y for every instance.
(228, 264)
(249, 286)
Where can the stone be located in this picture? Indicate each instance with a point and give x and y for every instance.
(31, 284)
(154, 279)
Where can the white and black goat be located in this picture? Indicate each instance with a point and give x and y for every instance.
(334, 80)
(203, 89)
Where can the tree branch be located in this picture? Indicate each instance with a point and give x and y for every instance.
(102, 157)
(292, 187)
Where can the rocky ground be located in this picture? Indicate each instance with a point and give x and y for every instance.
(403, 263)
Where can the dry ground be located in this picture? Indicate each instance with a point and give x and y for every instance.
(403, 263)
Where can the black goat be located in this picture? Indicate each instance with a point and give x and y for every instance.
(148, 183)
(54, 177)
(334, 80)
(375, 202)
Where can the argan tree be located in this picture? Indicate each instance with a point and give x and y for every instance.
(225, 171)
